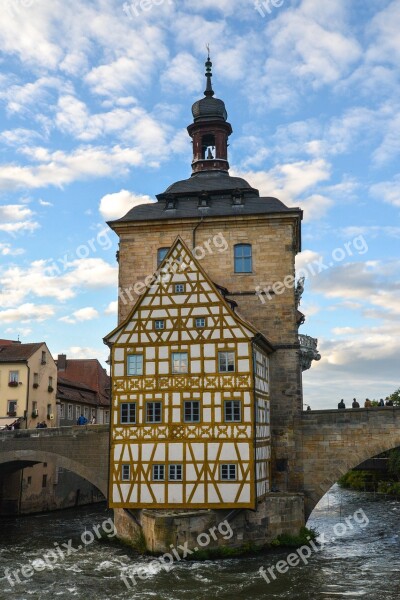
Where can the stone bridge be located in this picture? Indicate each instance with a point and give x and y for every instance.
(84, 450)
(330, 442)
(334, 441)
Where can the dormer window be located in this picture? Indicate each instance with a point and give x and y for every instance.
(237, 198)
(203, 200)
(170, 203)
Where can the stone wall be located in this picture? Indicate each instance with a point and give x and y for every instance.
(156, 531)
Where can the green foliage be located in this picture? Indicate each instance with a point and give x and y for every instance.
(355, 480)
(394, 463)
(395, 397)
(389, 487)
(286, 540)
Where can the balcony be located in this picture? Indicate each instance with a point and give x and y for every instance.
(308, 351)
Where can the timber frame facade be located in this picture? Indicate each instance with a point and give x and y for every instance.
(190, 420)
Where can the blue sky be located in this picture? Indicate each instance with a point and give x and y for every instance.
(94, 104)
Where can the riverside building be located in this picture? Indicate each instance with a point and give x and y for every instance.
(206, 379)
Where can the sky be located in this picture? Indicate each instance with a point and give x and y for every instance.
(95, 98)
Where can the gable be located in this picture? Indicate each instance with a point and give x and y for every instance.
(178, 310)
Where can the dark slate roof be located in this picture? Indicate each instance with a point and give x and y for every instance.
(209, 109)
(18, 352)
(72, 391)
(208, 181)
(219, 187)
(219, 207)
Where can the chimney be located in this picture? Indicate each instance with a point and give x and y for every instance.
(61, 362)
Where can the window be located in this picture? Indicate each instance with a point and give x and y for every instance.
(36, 380)
(12, 408)
(179, 362)
(126, 472)
(243, 258)
(50, 382)
(228, 472)
(161, 254)
(128, 412)
(86, 412)
(49, 411)
(208, 146)
(200, 322)
(175, 472)
(232, 410)
(70, 412)
(43, 361)
(62, 410)
(77, 412)
(153, 412)
(158, 472)
(226, 362)
(106, 417)
(13, 377)
(44, 481)
(29, 480)
(179, 288)
(159, 324)
(135, 364)
(191, 411)
(34, 406)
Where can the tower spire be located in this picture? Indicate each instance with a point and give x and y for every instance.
(209, 92)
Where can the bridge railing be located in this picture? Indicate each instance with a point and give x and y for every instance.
(72, 431)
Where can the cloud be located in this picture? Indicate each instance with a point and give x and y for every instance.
(16, 218)
(115, 206)
(183, 74)
(288, 182)
(388, 191)
(112, 308)
(308, 46)
(26, 313)
(7, 250)
(47, 279)
(59, 168)
(82, 314)
(101, 353)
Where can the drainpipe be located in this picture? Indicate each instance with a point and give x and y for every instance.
(194, 231)
(27, 396)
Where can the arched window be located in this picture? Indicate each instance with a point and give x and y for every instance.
(243, 258)
(161, 254)
(208, 146)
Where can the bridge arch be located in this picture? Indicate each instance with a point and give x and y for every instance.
(40, 456)
(81, 450)
(333, 442)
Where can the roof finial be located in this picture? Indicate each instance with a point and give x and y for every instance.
(209, 92)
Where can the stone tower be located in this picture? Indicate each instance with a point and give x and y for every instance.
(254, 274)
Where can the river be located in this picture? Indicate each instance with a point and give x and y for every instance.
(362, 561)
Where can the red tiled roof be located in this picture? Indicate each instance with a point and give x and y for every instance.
(88, 371)
(18, 352)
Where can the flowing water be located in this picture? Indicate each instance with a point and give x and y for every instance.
(358, 558)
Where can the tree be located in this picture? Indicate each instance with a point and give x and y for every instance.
(394, 463)
(395, 397)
